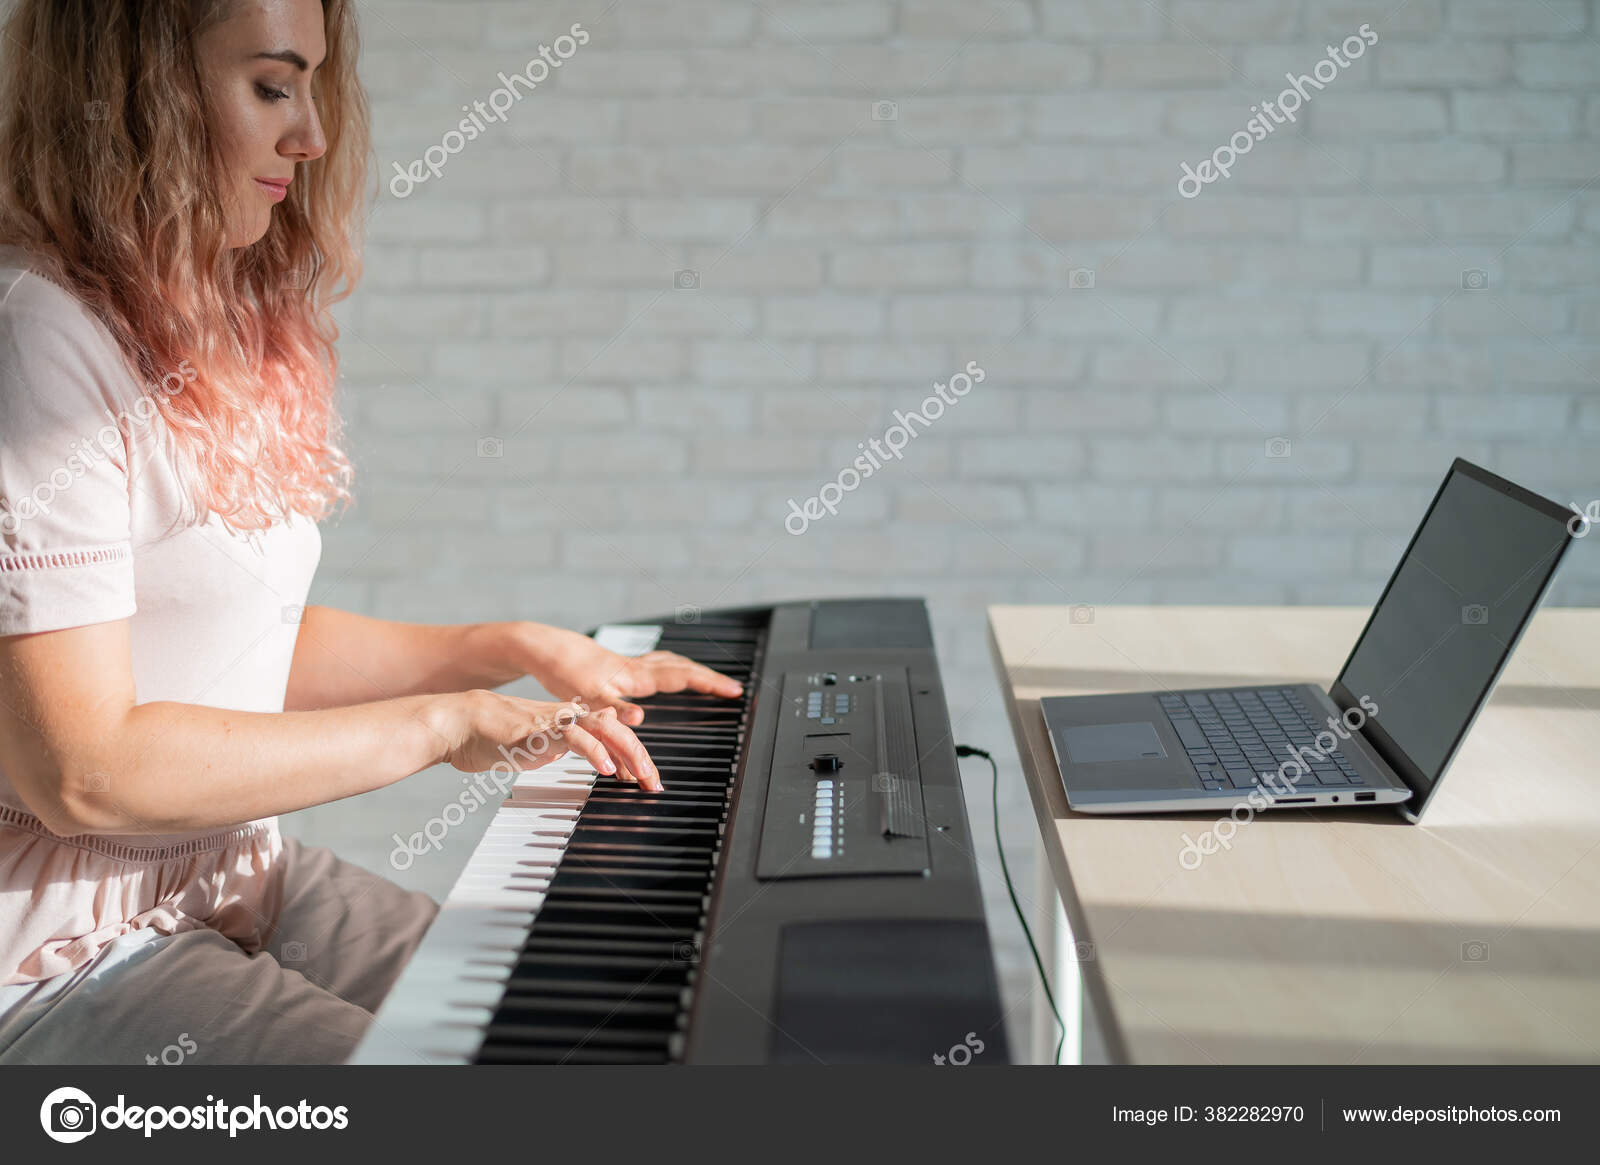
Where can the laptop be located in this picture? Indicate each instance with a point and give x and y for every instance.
(1386, 731)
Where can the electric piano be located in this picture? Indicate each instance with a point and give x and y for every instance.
(802, 891)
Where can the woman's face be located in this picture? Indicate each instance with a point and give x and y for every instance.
(256, 66)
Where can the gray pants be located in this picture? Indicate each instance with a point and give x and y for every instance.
(343, 937)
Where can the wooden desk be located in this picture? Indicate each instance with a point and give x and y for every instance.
(1330, 936)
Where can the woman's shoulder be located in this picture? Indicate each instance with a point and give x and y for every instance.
(27, 292)
(48, 334)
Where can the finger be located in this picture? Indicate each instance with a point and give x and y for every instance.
(674, 673)
(704, 679)
(592, 750)
(627, 748)
(606, 715)
(627, 712)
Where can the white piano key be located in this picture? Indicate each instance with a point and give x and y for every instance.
(447, 994)
(628, 638)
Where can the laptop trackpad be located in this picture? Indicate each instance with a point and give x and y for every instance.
(1096, 743)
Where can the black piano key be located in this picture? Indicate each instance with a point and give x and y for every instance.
(617, 878)
(644, 897)
(532, 986)
(612, 849)
(655, 948)
(619, 913)
(637, 862)
(598, 965)
(573, 1034)
(657, 815)
(600, 1014)
(673, 834)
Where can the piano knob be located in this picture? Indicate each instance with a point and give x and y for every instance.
(827, 762)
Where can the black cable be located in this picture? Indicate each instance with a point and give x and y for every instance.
(965, 750)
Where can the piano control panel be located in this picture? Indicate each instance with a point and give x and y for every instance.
(846, 796)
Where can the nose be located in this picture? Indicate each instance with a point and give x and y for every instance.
(305, 141)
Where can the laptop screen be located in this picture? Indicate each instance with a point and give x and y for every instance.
(1449, 617)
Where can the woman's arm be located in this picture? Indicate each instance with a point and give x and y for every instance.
(86, 758)
(342, 658)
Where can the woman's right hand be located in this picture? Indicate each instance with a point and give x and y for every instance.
(483, 729)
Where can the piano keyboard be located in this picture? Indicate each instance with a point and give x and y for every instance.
(802, 890)
(582, 907)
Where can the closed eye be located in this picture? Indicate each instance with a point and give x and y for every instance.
(268, 93)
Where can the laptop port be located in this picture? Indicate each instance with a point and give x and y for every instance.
(1366, 796)
(1294, 801)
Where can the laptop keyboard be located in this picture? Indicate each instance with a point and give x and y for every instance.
(1234, 737)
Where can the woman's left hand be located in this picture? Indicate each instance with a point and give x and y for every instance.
(573, 666)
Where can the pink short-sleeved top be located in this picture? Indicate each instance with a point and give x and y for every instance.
(95, 527)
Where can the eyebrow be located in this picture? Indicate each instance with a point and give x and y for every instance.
(288, 56)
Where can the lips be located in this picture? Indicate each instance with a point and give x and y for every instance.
(277, 188)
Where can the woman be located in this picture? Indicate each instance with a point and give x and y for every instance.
(181, 181)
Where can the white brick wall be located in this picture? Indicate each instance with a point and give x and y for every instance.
(1116, 451)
